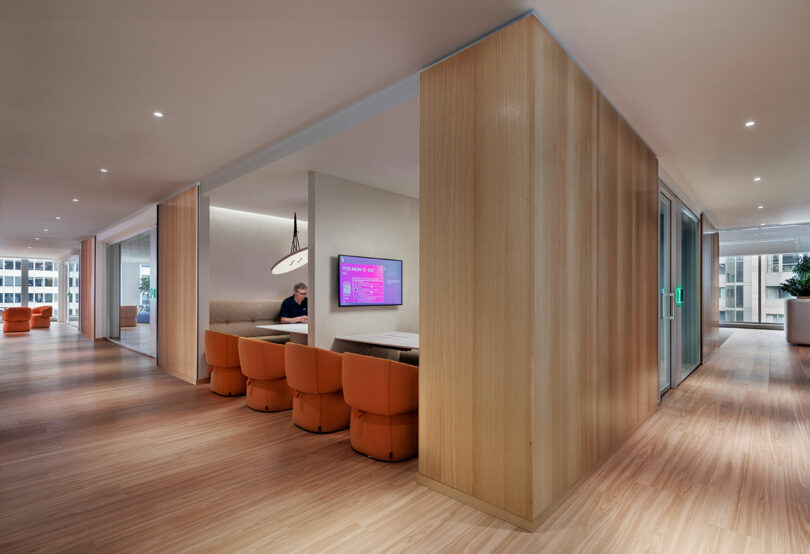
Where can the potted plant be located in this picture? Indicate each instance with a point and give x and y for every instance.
(797, 310)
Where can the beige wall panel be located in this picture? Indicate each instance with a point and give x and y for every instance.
(87, 284)
(476, 202)
(626, 281)
(710, 286)
(177, 285)
(565, 280)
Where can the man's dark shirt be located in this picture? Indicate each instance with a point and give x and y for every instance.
(290, 309)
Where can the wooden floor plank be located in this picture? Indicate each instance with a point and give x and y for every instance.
(101, 451)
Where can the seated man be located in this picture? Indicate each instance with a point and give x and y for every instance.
(294, 308)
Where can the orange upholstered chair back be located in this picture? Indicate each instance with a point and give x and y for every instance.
(313, 370)
(261, 360)
(17, 314)
(221, 349)
(43, 311)
(380, 386)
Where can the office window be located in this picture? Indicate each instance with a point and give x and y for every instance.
(17, 281)
(730, 297)
(773, 263)
(48, 297)
(775, 318)
(30, 265)
(37, 297)
(38, 266)
(48, 281)
(56, 281)
(740, 269)
(722, 315)
(776, 293)
(9, 264)
(37, 281)
(730, 277)
(17, 264)
(48, 266)
(8, 281)
(8, 298)
(740, 315)
(30, 281)
(740, 302)
(789, 261)
(30, 297)
(722, 266)
(17, 297)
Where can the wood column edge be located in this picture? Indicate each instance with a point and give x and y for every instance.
(478, 504)
(186, 378)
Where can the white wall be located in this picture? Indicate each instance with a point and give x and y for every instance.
(243, 248)
(350, 218)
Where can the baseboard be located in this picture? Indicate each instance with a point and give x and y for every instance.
(186, 378)
(477, 503)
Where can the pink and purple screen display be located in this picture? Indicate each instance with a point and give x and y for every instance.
(369, 281)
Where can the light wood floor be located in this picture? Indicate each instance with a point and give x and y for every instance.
(101, 451)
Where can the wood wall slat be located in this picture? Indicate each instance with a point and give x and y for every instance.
(177, 284)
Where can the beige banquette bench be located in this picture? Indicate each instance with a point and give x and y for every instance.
(240, 317)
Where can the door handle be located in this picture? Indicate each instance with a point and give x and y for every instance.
(665, 305)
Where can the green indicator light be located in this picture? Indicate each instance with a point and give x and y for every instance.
(679, 295)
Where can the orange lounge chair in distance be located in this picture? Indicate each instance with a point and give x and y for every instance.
(41, 317)
(16, 320)
(263, 365)
(384, 396)
(222, 353)
(315, 374)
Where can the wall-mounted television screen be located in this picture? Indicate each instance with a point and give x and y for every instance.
(369, 281)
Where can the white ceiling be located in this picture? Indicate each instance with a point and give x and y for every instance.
(81, 79)
(382, 152)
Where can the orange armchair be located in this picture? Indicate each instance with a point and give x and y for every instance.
(41, 317)
(16, 320)
(128, 316)
(384, 396)
(222, 352)
(263, 365)
(315, 374)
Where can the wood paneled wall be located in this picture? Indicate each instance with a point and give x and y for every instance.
(538, 217)
(177, 285)
(710, 286)
(87, 289)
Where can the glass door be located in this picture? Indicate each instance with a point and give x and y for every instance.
(666, 305)
(73, 291)
(687, 292)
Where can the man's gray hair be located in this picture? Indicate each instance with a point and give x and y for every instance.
(299, 286)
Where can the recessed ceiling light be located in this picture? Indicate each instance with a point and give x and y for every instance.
(58, 217)
(104, 170)
(760, 207)
(761, 224)
(750, 123)
(158, 114)
(36, 238)
(75, 199)
(29, 247)
(757, 178)
(45, 230)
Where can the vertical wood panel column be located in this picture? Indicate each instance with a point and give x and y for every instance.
(87, 283)
(710, 286)
(177, 285)
(538, 274)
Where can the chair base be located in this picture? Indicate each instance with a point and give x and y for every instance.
(16, 326)
(320, 413)
(386, 438)
(227, 381)
(40, 323)
(269, 396)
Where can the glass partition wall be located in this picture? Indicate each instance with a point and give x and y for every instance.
(131, 293)
(679, 338)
